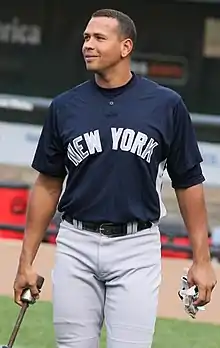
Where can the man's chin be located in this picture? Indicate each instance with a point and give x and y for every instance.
(93, 68)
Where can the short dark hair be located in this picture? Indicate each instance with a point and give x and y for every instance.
(126, 24)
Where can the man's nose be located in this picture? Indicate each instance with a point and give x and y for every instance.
(89, 44)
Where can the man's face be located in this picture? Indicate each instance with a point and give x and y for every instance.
(103, 45)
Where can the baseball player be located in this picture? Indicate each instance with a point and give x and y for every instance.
(111, 138)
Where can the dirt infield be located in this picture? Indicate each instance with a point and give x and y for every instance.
(169, 303)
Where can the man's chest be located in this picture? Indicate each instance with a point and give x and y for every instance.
(112, 129)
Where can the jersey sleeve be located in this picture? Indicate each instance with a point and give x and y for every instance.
(184, 158)
(49, 157)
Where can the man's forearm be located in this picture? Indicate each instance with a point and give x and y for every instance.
(41, 208)
(193, 210)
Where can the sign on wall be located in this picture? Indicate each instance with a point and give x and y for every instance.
(166, 70)
(17, 32)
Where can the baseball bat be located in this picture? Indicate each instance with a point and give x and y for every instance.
(26, 299)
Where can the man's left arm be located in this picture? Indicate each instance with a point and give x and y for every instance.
(184, 168)
(193, 210)
(192, 206)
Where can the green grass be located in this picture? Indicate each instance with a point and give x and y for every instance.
(37, 329)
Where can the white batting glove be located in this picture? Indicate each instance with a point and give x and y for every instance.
(188, 295)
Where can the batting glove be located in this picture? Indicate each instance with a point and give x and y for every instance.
(188, 295)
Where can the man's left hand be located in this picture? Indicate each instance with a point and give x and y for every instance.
(203, 276)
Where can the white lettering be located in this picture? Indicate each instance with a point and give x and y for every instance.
(122, 139)
(5, 32)
(93, 142)
(17, 33)
(149, 150)
(127, 139)
(73, 155)
(139, 142)
(116, 134)
(79, 148)
(34, 35)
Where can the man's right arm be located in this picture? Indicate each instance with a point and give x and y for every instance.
(49, 161)
(41, 208)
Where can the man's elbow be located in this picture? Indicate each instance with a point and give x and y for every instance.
(52, 185)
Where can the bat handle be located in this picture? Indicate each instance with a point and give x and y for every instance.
(26, 296)
(27, 299)
(17, 325)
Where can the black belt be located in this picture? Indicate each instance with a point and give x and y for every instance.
(107, 228)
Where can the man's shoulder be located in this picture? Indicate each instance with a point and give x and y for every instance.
(154, 89)
(80, 90)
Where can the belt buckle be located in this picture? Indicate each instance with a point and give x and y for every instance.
(102, 228)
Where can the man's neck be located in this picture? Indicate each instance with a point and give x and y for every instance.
(113, 79)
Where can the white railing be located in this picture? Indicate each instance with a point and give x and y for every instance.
(205, 120)
(25, 103)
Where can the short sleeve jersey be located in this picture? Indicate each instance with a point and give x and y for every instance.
(113, 146)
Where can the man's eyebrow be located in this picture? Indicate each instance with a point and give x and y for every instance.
(86, 33)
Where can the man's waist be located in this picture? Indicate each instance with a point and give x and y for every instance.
(108, 228)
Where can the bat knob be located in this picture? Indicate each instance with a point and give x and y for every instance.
(26, 296)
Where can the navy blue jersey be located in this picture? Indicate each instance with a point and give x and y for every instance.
(114, 145)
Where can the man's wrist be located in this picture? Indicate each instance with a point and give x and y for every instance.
(25, 261)
(202, 259)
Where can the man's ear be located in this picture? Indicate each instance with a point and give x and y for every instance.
(126, 47)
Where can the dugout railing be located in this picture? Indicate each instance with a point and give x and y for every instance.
(206, 126)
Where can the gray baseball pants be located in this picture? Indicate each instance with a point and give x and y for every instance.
(95, 278)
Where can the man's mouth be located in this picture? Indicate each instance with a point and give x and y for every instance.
(90, 57)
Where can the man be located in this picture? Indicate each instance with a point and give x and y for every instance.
(112, 138)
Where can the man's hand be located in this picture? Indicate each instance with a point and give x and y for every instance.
(26, 278)
(202, 274)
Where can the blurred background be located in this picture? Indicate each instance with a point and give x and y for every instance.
(40, 56)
